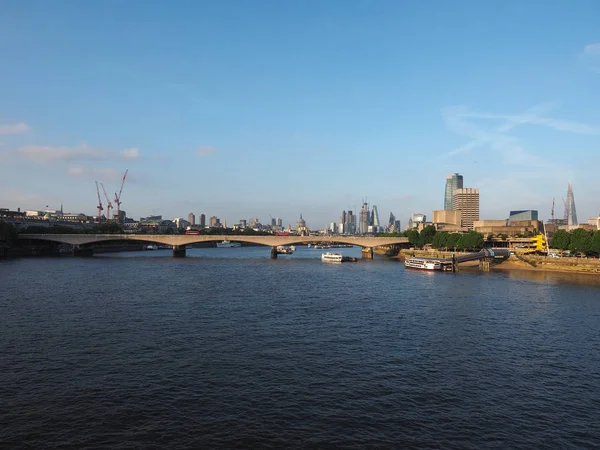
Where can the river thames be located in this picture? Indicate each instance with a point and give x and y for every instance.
(227, 348)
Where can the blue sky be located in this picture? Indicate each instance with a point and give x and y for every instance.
(248, 109)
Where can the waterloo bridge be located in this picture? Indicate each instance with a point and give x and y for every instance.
(179, 242)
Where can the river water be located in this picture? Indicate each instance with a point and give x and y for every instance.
(229, 349)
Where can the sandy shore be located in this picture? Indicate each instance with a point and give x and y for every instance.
(580, 266)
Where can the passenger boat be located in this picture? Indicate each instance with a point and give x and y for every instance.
(286, 250)
(228, 244)
(425, 264)
(331, 257)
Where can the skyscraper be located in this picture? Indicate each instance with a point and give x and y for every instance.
(192, 219)
(202, 221)
(467, 201)
(570, 211)
(363, 222)
(375, 222)
(453, 182)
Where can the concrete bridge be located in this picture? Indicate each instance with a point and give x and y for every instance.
(179, 242)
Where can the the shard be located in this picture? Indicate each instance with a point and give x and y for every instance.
(570, 210)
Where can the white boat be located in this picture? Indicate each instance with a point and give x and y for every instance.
(424, 264)
(286, 250)
(228, 244)
(151, 247)
(331, 257)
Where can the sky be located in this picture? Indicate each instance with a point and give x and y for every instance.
(272, 109)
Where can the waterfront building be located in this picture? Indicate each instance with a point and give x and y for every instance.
(332, 227)
(214, 222)
(447, 220)
(192, 219)
(181, 223)
(279, 223)
(528, 214)
(467, 201)
(453, 182)
(594, 222)
(243, 223)
(202, 221)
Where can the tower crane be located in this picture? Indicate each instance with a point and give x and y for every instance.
(118, 197)
(109, 204)
(100, 208)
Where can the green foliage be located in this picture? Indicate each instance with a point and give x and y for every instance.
(427, 234)
(413, 237)
(390, 235)
(440, 240)
(470, 241)
(53, 229)
(8, 233)
(560, 239)
(503, 236)
(452, 241)
(595, 246)
(108, 228)
(581, 241)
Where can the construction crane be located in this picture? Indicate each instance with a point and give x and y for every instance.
(109, 204)
(100, 208)
(118, 197)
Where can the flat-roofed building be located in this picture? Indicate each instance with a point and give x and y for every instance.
(519, 216)
(467, 201)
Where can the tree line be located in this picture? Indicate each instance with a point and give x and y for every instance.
(576, 241)
(442, 240)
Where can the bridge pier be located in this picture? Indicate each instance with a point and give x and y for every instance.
(78, 251)
(367, 253)
(484, 265)
(178, 251)
(273, 252)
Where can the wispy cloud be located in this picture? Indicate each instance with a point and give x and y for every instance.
(14, 128)
(96, 173)
(204, 151)
(592, 49)
(131, 153)
(467, 123)
(591, 56)
(42, 154)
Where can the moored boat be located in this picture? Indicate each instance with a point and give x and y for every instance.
(426, 264)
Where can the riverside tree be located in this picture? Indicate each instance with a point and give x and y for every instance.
(581, 241)
(560, 240)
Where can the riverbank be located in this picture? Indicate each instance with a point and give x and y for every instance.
(586, 266)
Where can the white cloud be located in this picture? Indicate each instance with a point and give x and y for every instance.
(592, 49)
(131, 153)
(14, 128)
(42, 154)
(204, 151)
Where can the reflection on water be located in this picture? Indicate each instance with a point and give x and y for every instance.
(553, 277)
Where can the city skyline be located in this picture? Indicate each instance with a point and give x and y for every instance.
(277, 109)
